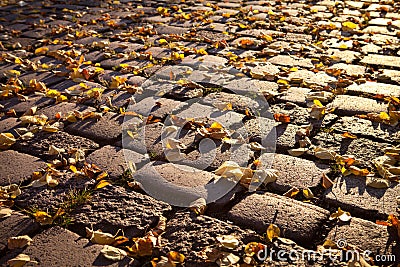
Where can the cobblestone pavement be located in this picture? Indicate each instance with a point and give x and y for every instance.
(330, 71)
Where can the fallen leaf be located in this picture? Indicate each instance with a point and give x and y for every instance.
(273, 231)
(41, 50)
(326, 181)
(292, 192)
(229, 169)
(308, 194)
(43, 218)
(102, 183)
(19, 242)
(20, 261)
(376, 182)
(98, 237)
(349, 135)
(5, 212)
(175, 257)
(298, 151)
(228, 241)
(282, 117)
(228, 260)
(113, 253)
(53, 150)
(344, 216)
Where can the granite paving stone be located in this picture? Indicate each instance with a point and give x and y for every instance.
(352, 194)
(61, 247)
(16, 225)
(17, 167)
(298, 221)
(346, 105)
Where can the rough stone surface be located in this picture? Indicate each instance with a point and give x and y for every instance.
(189, 234)
(346, 105)
(60, 247)
(113, 160)
(17, 167)
(299, 221)
(295, 172)
(367, 128)
(352, 194)
(375, 88)
(15, 225)
(39, 145)
(382, 60)
(132, 212)
(366, 235)
(105, 130)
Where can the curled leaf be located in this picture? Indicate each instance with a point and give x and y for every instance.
(273, 231)
(228, 241)
(342, 215)
(113, 253)
(19, 242)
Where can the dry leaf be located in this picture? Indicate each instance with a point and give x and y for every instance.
(349, 135)
(342, 215)
(256, 146)
(308, 194)
(229, 169)
(113, 253)
(5, 212)
(326, 181)
(102, 183)
(98, 237)
(228, 241)
(20, 261)
(172, 143)
(295, 152)
(376, 182)
(175, 257)
(323, 153)
(53, 150)
(292, 192)
(282, 117)
(19, 242)
(43, 218)
(228, 260)
(273, 231)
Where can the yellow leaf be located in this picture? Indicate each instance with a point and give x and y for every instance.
(308, 194)
(73, 169)
(61, 98)
(273, 231)
(318, 103)
(349, 25)
(283, 82)
(216, 126)
(342, 215)
(162, 41)
(349, 135)
(292, 192)
(41, 50)
(175, 257)
(384, 116)
(52, 93)
(102, 184)
(43, 218)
